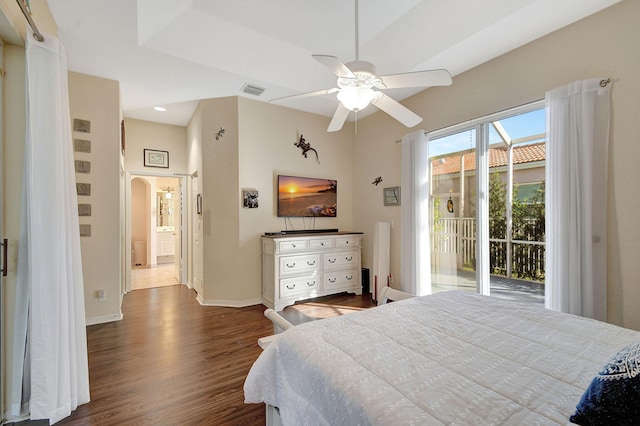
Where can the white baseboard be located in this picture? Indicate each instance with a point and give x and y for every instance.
(230, 303)
(103, 319)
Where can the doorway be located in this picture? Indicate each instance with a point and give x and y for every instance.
(155, 231)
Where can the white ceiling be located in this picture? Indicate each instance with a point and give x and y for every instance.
(172, 53)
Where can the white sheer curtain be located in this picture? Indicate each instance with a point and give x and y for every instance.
(576, 184)
(415, 250)
(52, 355)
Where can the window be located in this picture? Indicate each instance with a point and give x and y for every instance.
(487, 205)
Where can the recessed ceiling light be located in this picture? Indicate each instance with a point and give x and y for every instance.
(160, 109)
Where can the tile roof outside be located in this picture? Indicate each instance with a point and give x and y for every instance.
(497, 158)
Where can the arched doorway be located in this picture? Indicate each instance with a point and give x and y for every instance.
(155, 232)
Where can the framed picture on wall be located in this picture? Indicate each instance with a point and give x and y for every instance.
(249, 198)
(154, 158)
(392, 196)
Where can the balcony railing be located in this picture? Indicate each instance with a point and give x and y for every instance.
(457, 236)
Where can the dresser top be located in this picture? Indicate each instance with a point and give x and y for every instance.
(274, 235)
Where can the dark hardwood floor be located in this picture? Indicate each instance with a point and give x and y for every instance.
(171, 361)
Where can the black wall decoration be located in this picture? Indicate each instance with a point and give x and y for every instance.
(306, 147)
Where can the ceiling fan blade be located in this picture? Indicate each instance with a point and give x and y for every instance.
(335, 65)
(307, 94)
(397, 110)
(417, 79)
(339, 117)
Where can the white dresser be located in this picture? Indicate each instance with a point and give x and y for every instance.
(302, 266)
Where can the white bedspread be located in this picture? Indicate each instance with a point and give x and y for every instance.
(448, 358)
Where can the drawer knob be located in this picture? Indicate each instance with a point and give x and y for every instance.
(332, 260)
(349, 277)
(293, 245)
(291, 265)
(311, 284)
(311, 263)
(332, 280)
(291, 287)
(348, 258)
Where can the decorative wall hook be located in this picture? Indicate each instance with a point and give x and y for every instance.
(377, 180)
(306, 147)
(219, 134)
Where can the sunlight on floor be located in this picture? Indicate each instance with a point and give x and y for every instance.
(327, 310)
(153, 276)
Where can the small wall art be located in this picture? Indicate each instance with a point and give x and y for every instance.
(83, 126)
(391, 196)
(155, 158)
(85, 230)
(306, 147)
(84, 209)
(83, 188)
(249, 198)
(83, 166)
(81, 145)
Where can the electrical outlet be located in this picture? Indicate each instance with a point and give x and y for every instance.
(102, 295)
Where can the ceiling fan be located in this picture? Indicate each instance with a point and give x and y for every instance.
(358, 86)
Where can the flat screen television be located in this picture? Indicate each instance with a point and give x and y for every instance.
(306, 197)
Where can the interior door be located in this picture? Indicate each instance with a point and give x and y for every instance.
(177, 234)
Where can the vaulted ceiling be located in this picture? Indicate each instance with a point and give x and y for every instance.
(173, 53)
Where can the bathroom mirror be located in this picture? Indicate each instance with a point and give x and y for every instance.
(164, 204)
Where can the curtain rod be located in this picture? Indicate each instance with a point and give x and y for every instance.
(27, 14)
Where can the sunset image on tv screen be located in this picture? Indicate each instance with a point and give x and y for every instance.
(306, 197)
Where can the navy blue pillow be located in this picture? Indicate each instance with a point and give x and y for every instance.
(613, 397)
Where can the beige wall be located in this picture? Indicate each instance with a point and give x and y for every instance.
(219, 183)
(258, 144)
(603, 45)
(140, 212)
(141, 135)
(101, 252)
(267, 136)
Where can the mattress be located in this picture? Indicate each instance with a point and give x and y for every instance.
(448, 358)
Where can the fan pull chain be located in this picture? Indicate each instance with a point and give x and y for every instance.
(356, 121)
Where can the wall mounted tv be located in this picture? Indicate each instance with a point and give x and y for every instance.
(306, 197)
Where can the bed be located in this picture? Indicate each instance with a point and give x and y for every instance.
(447, 358)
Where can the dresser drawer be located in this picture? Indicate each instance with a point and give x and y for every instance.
(345, 242)
(340, 279)
(293, 286)
(290, 265)
(322, 244)
(341, 260)
(293, 246)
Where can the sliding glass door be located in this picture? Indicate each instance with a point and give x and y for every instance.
(453, 210)
(487, 205)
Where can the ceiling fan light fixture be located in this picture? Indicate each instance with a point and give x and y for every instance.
(356, 98)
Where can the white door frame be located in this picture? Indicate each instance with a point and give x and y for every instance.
(183, 252)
